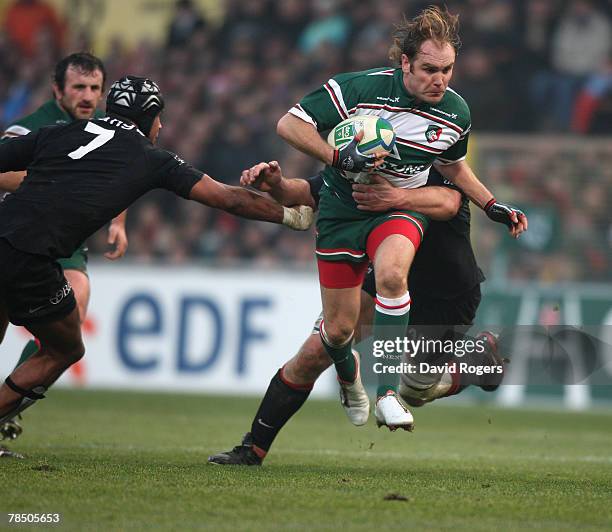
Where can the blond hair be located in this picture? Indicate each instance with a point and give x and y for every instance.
(431, 23)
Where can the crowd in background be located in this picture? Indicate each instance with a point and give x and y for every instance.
(525, 67)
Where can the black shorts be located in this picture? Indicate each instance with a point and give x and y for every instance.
(33, 288)
(459, 311)
(424, 310)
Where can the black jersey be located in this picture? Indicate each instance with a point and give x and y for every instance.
(445, 266)
(80, 176)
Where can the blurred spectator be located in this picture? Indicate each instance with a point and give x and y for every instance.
(227, 85)
(593, 109)
(478, 84)
(330, 26)
(185, 23)
(31, 23)
(581, 45)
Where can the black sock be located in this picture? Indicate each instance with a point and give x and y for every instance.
(281, 401)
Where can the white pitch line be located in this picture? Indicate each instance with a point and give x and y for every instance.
(352, 454)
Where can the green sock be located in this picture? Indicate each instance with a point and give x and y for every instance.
(30, 349)
(390, 322)
(343, 358)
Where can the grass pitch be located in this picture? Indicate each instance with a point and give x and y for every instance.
(116, 461)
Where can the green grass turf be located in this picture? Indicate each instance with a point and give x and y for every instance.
(116, 461)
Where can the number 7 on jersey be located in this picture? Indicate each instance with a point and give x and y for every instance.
(102, 136)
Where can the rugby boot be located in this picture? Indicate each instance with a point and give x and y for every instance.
(11, 429)
(242, 454)
(392, 413)
(493, 358)
(354, 398)
(417, 394)
(5, 452)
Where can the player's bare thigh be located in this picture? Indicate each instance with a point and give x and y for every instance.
(392, 262)
(82, 291)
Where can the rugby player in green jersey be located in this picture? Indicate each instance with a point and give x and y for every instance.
(78, 85)
(432, 124)
(445, 291)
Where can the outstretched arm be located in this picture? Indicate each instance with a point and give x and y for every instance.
(15, 156)
(10, 181)
(268, 177)
(247, 204)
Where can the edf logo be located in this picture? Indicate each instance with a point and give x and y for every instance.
(142, 318)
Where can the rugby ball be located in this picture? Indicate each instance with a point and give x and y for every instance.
(378, 135)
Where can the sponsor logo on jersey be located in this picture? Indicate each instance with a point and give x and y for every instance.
(450, 115)
(402, 170)
(388, 99)
(61, 294)
(433, 133)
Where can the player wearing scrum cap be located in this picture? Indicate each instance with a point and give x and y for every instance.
(432, 124)
(78, 84)
(105, 165)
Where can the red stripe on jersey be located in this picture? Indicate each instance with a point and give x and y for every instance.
(411, 110)
(335, 100)
(419, 146)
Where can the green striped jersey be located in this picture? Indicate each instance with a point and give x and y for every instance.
(48, 114)
(424, 132)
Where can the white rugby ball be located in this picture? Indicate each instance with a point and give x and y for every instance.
(378, 135)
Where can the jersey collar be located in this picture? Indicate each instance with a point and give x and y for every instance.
(63, 111)
(399, 80)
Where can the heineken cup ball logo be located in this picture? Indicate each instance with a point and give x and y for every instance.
(346, 132)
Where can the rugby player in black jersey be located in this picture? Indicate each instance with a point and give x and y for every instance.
(446, 293)
(80, 176)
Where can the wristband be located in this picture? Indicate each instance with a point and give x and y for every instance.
(489, 203)
(335, 158)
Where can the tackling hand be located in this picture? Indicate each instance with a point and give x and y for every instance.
(513, 218)
(118, 238)
(379, 195)
(262, 176)
(350, 159)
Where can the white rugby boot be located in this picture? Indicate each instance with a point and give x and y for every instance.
(354, 398)
(415, 393)
(392, 413)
